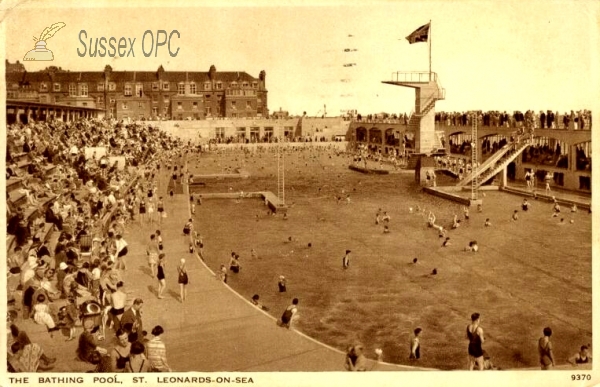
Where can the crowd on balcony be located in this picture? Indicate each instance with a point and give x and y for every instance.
(83, 200)
(573, 120)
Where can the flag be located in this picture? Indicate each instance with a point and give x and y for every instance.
(421, 34)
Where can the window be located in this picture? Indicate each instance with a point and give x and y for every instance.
(165, 85)
(84, 104)
(206, 85)
(255, 85)
(219, 97)
(245, 84)
(233, 84)
(218, 110)
(100, 86)
(99, 101)
(72, 89)
(248, 105)
(124, 106)
(83, 89)
(154, 86)
(140, 105)
(233, 105)
(43, 86)
(179, 106)
(194, 105)
(112, 86)
(220, 132)
(128, 90)
(207, 110)
(165, 110)
(166, 100)
(192, 88)
(155, 111)
(113, 101)
(154, 99)
(139, 90)
(181, 89)
(219, 86)
(56, 87)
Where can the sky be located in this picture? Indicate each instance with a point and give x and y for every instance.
(489, 55)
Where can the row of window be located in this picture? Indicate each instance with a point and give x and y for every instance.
(139, 87)
(125, 105)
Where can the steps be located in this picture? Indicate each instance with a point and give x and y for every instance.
(512, 148)
(501, 164)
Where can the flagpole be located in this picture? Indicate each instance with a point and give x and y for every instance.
(429, 40)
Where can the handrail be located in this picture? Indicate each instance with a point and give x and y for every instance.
(487, 164)
(414, 76)
(496, 168)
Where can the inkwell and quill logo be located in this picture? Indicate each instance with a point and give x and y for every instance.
(40, 52)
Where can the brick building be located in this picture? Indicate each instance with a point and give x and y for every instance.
(177, 95)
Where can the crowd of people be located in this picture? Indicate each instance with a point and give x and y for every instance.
(80, 184)
(573, 120)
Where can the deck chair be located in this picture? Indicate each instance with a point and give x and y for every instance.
(85, 246)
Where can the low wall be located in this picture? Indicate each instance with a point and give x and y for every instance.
(339, 145)
(448, 195)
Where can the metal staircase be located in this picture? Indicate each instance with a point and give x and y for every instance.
(494, 164)
(487, 164)
(510, 156)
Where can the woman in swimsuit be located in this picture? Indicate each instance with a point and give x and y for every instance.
(142, 211)
(475, 336)
(161, 275)
(545, 350)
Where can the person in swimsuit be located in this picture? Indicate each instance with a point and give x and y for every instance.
(545, 350)
(581, 357)
(117, 302)
(475, 336)
(152, 253)
(160, 208)
(415, 345)
(151, 212)
(142, 211)
(161, 275)
(183, 279)
(346, 260)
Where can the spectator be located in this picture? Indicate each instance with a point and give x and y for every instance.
(88, 350)
(157, 352)
(133, 315)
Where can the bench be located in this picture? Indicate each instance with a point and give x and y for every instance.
(13, 183)
(17, 198)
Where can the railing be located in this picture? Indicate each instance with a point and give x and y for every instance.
(487, 164)
(414, 76)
